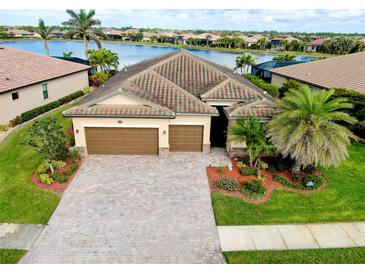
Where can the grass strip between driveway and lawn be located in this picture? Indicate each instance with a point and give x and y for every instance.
(11, 256)
(20, 200)
(305, 256)
(341, 200)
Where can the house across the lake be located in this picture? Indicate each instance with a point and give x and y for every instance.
(20, 33)
(346, 71)
(173, 102)
(29, 80)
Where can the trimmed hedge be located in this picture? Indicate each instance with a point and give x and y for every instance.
(271, 89)
(30, 114)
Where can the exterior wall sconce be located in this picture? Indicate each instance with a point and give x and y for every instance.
(77, 131)
(120, 122)
(164, 132)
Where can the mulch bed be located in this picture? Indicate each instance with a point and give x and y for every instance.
(56, 186)
(269, 183)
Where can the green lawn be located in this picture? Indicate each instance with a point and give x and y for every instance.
(20, 200)
(342, 200)
(310, 256)
(11, 256)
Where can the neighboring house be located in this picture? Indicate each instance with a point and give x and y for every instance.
(252, 38)
(19, 33)
(346, 71)
(263, 70)
(183, 38)
(29, 80)
(58, 33)
(315, 44)
(173, 102)
(207, 38)
(276, 43)
(113, 33)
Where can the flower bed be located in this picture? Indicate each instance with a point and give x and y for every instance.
(257, 185)
(59, 180)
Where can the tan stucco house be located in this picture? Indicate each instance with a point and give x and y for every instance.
(29, 80)
(345, 71)
(174, 102)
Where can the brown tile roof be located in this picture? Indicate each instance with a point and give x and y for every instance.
(231, 90)
(175, 81)
(19, 68)
(263, 109)
(117, 111)
(346, 71)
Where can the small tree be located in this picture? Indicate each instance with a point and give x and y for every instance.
(252, 132)
(104, 59)
(48, 140)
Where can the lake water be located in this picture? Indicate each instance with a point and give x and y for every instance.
(130, 54)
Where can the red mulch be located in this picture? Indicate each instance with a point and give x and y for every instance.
(269, 183)
(56, 186)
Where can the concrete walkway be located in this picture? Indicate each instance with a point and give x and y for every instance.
(283, 237)
(19, 236)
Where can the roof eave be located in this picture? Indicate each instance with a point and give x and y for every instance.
(118, 116)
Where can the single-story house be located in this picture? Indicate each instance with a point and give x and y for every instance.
(174, 102)
(29, 80)
(20, 33)
(112, 33)
(58, 33)
(315, 44)
(345, 71)
(276, 43)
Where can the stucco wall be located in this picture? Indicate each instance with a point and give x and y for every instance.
(278, 81)
(80, 123)
(32, 96)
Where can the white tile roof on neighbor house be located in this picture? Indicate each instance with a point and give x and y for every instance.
(346, 71)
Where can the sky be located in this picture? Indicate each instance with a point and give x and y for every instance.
(344, 21)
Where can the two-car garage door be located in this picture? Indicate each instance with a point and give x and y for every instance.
(127, 141)
(141, 141)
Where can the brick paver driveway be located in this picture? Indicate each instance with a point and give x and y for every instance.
(134, 209)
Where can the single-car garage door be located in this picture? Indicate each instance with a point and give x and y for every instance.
(128, 141)
(185, 138)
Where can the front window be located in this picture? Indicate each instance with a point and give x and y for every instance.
(15, 96)
(44, 91)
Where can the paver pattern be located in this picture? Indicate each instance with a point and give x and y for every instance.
(134, 209)
(282, 237)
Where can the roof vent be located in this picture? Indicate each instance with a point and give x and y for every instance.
(308, 74)
(7, 78)
(1, 47)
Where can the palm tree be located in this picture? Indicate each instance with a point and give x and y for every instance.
(244, 62)
(104, 59)
(306, 130)
(251, 131)
(84, 24)
(45, 33)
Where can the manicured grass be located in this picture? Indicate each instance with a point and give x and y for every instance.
(342, 200)
(20, 200)
(11, 256)
(309, 256)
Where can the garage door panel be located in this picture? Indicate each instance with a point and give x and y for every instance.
(185, 138)
(128, 141)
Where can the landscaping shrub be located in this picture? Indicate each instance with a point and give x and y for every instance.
(271, 89)
(74, 155)
(261, 164)
(290, 84)
(58, 164)
(45, 179)
(308, 180)
(28, 115)
(220, 169)
(61, 178)
(284, 181)
(297, 176)
(249, 171)
(71, 170)
(255, 188)
(227, 184)
(43, 168)
(272, 169)
(4, 127)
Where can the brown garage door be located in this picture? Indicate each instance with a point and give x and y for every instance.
(128, 141)
(185, 138)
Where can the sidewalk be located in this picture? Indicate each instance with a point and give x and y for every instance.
(19, 236)
(284, 237)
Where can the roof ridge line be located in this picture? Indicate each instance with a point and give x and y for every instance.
(184, 91)
(204, 95)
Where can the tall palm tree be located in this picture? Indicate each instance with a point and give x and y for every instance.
(306, 127)
(244, 62)
(45, 33)
(83, 24)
